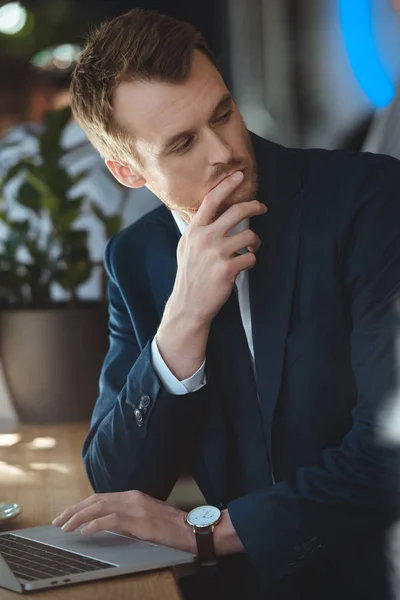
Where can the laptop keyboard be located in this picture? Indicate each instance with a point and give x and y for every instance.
(31, 560)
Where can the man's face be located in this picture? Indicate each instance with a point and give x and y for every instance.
(188, 136)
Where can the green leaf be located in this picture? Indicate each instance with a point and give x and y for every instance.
(113, 225)
(58, 179)
(14, 171)
(75, 274)
(69, 211)
(76, 254)
(63, 220)
(50, 139)
(29, 197)
(74, 247)
(63, 251)
(35, 177)
(76, 237)
(51, 203)
(11, 246)
(10, 283)
(21, 228)
(48, 199)
(112, 222)
(75, 203)
(98, 212)
(4, 217)
(38, 255)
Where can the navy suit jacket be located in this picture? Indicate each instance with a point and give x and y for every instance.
(325, 315)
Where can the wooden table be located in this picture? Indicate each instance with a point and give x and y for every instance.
(41, 469)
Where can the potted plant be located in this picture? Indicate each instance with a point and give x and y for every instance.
(51, 351)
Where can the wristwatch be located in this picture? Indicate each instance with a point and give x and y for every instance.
(203, 520)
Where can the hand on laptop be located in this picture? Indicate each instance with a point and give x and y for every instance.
(132, 512)
(146, 518)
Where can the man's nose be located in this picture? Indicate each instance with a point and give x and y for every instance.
(219, 150)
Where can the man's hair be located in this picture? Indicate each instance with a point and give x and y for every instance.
(140, 45)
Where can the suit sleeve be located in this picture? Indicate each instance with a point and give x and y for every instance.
(124, 449)
(354, 489)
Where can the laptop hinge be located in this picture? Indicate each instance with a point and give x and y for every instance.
(7, 577)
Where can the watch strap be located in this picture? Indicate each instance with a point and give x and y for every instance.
(205, 545)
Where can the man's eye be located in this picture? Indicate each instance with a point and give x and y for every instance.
(224, 117)
(186, 145)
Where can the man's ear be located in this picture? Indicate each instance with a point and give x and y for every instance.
(125, 174)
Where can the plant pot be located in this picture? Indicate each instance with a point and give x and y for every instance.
(52, 360)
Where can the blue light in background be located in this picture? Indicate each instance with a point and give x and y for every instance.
(373, 78)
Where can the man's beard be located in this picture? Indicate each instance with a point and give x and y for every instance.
(238, 195)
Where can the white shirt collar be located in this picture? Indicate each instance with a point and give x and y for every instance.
(182, 225)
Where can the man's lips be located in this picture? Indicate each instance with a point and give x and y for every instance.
(243, 169)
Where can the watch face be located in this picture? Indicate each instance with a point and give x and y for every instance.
(203, 516)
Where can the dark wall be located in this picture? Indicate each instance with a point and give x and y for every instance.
(69, 21)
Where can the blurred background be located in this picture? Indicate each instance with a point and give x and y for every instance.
(304, 73)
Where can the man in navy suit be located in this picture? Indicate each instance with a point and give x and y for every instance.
(258, 348)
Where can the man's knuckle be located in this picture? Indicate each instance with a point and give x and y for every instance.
(249, 236)
(251, 207)
(255, 239)
(115, 519)
(237, 211)
(72, 520)
(136, 495)
(251, 259)
(225, 269)
(204, 240)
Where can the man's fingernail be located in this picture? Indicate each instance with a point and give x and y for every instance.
(56, 520)
(238, 176)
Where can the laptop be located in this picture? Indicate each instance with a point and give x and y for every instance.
(39, 558)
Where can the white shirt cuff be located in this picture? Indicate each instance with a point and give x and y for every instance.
(169, 381)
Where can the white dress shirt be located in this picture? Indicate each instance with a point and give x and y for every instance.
(197, 380)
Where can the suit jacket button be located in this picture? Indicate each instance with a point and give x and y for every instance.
(139, 417)
(144, 403)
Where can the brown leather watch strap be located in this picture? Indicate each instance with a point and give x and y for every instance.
(205, 545)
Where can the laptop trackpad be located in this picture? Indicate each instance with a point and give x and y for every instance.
(110, 547)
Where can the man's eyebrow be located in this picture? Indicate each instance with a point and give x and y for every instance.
(225, 101)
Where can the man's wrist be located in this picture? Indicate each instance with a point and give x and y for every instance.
(174, 312)
(226, 540)
(182, 342)
(190, 537)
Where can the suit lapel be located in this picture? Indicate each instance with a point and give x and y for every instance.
(161, 261)
(271, 282)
